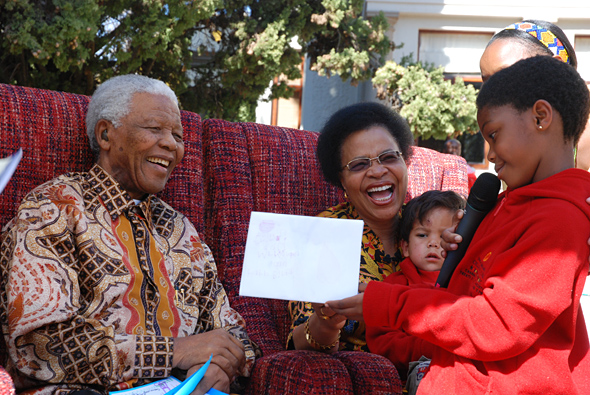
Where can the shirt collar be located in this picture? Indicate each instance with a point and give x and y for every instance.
(116, 200)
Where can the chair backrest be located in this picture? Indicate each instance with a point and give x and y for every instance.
(50, 127)
(431, 170)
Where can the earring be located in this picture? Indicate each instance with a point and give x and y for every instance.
(104, 135)
(345, 195)
(540, 127)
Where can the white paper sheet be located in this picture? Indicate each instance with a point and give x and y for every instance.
(294, 257)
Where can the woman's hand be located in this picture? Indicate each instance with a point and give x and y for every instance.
(324, 326)
(450, 239)
(328, 316)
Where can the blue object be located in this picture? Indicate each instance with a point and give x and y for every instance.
(190, 383)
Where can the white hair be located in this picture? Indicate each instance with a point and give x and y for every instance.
(112, 99)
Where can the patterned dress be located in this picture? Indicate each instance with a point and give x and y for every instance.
(94, 287)
(375, 266)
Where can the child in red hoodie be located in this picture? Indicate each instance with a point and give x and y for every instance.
(423, 220)
(510, 321)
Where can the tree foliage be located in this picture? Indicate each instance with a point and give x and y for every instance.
(218, 55)
(433, 106)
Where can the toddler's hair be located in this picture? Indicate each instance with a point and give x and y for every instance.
(421, 206)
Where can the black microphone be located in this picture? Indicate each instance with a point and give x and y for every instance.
(482, 198)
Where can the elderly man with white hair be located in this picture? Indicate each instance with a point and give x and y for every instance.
(103, 285)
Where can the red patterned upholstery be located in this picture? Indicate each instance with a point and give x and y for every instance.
(229, 170)
(50, 128)
(6, 387)
(429, 170)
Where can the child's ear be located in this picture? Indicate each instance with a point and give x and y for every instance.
(405, 249)
(543, 114)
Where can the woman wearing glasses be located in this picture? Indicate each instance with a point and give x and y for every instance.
(363, 149)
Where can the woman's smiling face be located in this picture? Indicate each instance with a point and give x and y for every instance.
(378, 192)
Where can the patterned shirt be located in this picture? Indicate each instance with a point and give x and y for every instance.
(375, 266)
(95, 287)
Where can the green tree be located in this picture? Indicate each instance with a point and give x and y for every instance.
(218, 55)
(433, 106)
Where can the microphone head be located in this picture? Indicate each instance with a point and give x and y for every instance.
(484, 192)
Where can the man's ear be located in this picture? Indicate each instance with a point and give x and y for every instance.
(543, 114)
(405, 250)
(101, 131)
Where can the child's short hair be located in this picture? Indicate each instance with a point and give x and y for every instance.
(420, 206)
(540, 78)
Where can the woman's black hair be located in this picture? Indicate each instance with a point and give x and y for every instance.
(421, 206)
(352, 119)
(540, 78)
(535, 46)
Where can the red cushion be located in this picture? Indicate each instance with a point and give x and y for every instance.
(431, 170)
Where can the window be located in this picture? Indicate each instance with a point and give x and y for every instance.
(582, 47)
(459, 54)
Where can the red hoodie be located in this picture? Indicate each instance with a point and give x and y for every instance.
(395, 344)
(510, 321)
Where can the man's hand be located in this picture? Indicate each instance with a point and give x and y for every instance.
(215, 377)
(450, 239)
(191, 352)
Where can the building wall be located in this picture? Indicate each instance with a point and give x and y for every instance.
(323, 96)
(408, 18)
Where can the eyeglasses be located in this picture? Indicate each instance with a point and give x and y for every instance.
(390, 157)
